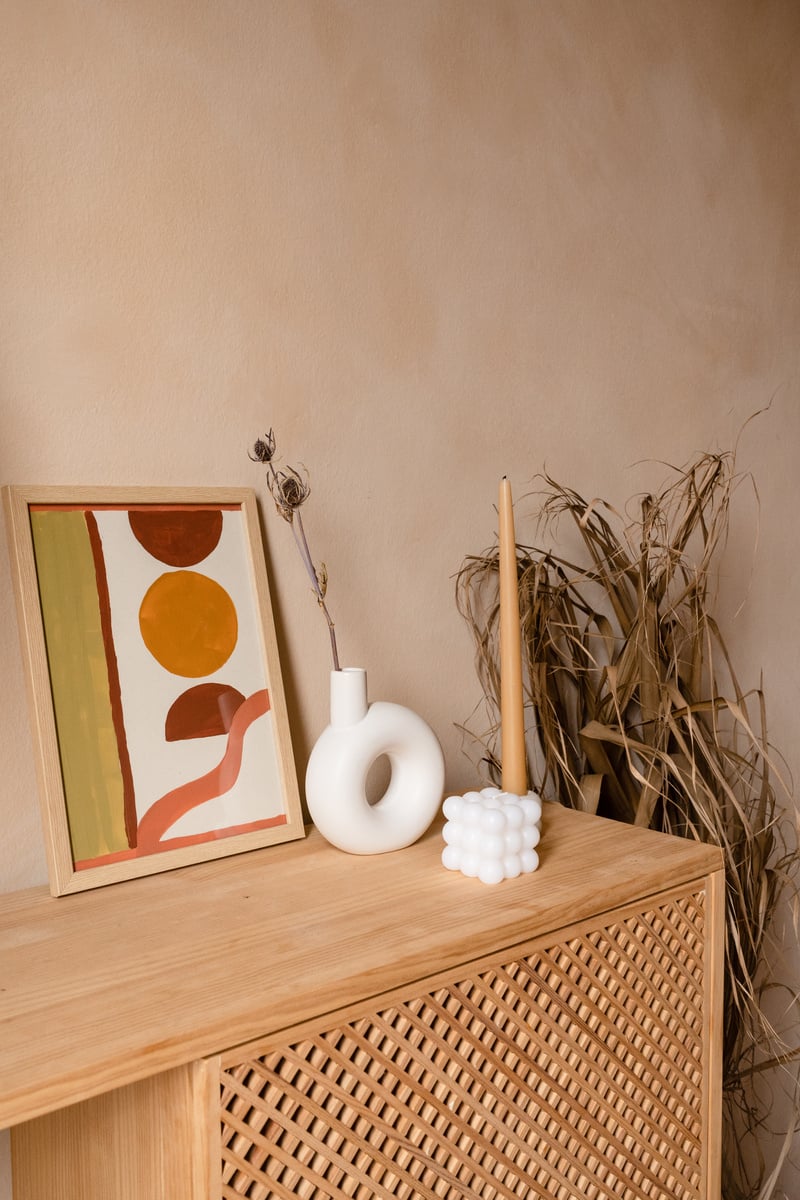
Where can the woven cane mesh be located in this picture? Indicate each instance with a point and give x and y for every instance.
(573, 1072)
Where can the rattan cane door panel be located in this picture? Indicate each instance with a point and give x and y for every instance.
(570, 1070)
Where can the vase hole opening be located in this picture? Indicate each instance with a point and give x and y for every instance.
(378, 778)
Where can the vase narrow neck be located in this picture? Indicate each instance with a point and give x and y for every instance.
(348, 696)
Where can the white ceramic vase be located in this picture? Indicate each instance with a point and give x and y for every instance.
(358, 734)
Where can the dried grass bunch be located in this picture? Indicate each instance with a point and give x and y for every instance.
(638, 715)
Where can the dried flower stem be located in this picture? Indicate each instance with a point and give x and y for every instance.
(290, 489)
(319, 581)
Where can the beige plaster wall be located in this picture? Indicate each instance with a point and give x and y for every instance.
(430, 242)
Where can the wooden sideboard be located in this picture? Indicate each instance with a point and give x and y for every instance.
(300, 1022)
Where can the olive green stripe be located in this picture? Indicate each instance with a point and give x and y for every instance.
(90, 764)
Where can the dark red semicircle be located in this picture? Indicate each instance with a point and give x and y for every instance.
(179, 537)
(202, 711)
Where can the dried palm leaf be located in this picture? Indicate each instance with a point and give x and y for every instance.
(638, 715)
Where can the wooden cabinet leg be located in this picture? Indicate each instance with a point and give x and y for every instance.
(152, 1139)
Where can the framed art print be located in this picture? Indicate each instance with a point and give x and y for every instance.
(159, 715)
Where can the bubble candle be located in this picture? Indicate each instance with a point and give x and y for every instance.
(490, 835)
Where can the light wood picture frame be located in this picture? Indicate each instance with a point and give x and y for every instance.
(158, 710)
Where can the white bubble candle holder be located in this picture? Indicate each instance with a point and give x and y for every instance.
(492, 835)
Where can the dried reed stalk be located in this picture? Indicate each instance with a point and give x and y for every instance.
(638, 715)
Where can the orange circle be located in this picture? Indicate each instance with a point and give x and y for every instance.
(188, 623)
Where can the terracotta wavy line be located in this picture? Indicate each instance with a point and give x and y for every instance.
(163, 814)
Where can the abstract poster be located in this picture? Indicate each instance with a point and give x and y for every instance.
(167, 706)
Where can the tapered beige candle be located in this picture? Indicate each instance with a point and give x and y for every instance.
(512, 724)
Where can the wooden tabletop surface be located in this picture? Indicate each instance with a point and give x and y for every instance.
(104, 987)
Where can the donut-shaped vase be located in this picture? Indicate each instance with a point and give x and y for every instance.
(336, 780)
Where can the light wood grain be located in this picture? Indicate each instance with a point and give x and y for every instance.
(573, 1069)
(147, 1140)
(37, 686)
(104, 988)
(712, 1042)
